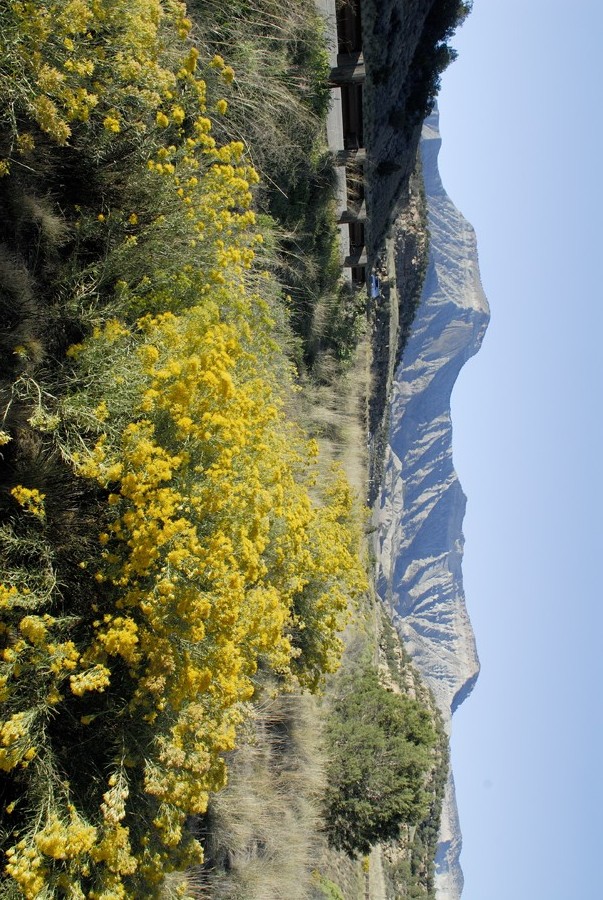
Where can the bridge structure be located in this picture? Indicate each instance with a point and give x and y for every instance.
(345, 130)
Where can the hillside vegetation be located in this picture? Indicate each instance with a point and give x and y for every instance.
(178, 563)
(160, 539)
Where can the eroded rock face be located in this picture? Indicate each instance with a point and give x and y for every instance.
(392, 31)
(421, 507)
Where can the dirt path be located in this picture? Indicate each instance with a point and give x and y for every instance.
(376, 880)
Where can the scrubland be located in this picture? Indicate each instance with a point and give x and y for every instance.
(182, 552)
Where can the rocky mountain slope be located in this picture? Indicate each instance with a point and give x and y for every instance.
(421, 507)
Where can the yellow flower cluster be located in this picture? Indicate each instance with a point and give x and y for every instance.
(14, 741)
(119, 637)
(65, 61)
(65, 840)
(25, 867)
(35, 628)
(8, 595)
(94, 679)
(31, 499)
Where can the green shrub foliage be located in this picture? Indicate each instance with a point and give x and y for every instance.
(381, 749)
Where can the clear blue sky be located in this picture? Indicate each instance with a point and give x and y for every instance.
(522, 158)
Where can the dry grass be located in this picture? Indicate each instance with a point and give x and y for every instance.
(262, 829)
(185, 886)
(332, 408)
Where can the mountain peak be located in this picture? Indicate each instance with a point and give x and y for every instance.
(421, 507)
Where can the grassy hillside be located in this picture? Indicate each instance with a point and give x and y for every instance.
(179, 561)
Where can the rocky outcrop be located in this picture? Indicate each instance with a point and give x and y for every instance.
(401, 272)
(392, 32)
(421, 507)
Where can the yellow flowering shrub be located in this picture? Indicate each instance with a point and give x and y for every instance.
(31, 499)
(208, 553)
(67, 61)
(215, 553)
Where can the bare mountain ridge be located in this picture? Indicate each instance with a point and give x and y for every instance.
(421, 506)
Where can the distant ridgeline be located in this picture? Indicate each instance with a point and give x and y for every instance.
(181, 372)
(428, 315)
(421, 505)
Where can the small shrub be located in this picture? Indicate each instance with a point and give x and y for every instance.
(380, 745)
(328, 888)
